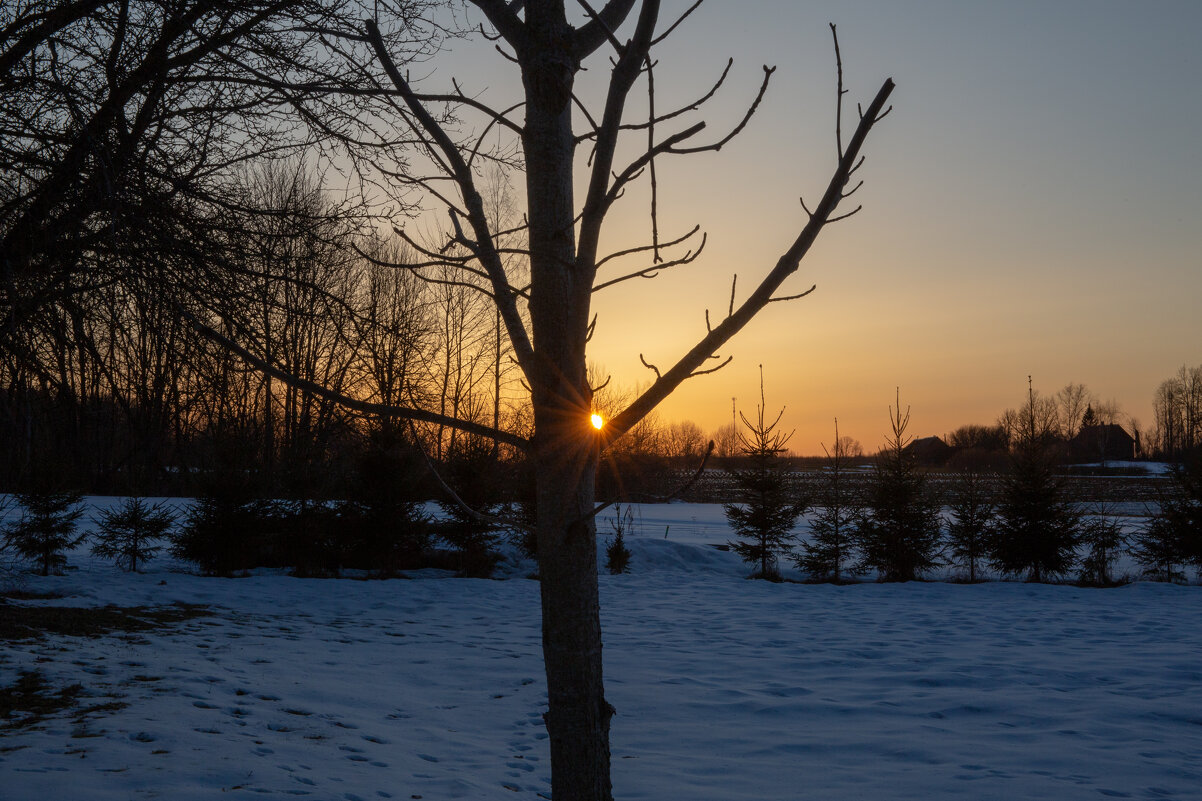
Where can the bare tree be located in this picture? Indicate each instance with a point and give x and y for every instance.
(684, 440)
(1071, 402)
(726, 440)
(1177, 406)
(1038, 418)
(564, 256)
(395, 328)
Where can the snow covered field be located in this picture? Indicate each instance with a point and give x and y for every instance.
(726, 689)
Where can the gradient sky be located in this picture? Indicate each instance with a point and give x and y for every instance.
(1033, 205)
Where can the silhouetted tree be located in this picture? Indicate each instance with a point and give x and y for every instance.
(130, 533)
(617, 555)
(827, 554)
(1177, 406)
(1172, 537)
(1157, 548)
(970, 529)
(1104, 542)
(471, 522)
(224, 532)
(899, 530)
(768, 503)
(1073, 401)
(1038, 528)
(387, 527)
(46, 528)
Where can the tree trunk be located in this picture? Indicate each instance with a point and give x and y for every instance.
(578, 716)
(565, 445)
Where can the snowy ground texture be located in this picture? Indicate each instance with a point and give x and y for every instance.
(726, 689)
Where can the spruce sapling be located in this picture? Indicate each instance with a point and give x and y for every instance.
(46, 528)
(129, 534)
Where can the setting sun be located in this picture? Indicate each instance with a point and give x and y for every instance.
(598, 421)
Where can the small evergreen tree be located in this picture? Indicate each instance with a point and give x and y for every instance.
(225, 531)
(1158, 549)
(768, 507)
(899, 531)
(827, 554)
(306, 536)
(1172, 537)
(617, 555)
(970, 527)
(1104, 541)
(474, 473)
(387, 527)
(129, 533)
(46, 528)
(1038, 528)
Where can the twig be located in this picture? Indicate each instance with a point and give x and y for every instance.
(650, 366)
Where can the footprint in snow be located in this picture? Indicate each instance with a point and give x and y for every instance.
(377, 740)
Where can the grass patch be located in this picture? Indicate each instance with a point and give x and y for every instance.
(19, 622)
(30, 699)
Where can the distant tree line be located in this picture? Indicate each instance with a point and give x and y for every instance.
(895, 523)
(1177, 406)
(1018, 522)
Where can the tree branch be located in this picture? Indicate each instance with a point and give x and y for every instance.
(622, 78)
(762, 296)
(475, 514)
(755, 104)
(505, 19)
(485, 250)
(366, 407)
(598, 30)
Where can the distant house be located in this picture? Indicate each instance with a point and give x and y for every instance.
(930, 451)
(1100, 443)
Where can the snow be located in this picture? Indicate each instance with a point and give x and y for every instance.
(726, 689)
